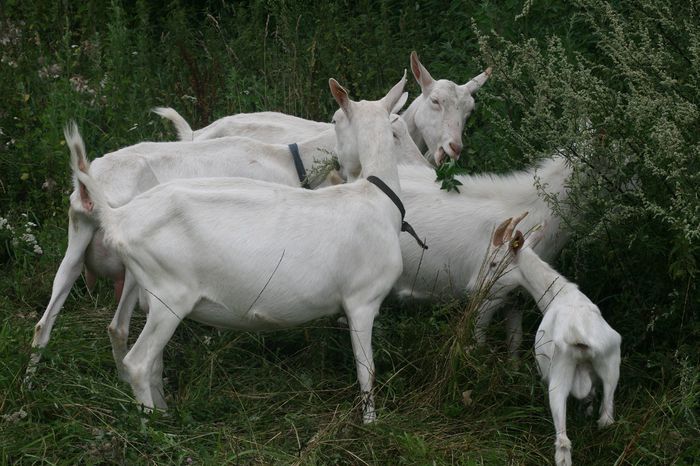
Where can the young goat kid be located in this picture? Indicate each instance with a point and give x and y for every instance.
(574, 344)
(435, 119)
(251, 255)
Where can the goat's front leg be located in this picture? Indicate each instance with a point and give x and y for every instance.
(80, 233)
(514, 330)
(360, 322)
(483, 319)
(118, 329)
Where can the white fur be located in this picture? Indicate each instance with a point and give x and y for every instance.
(435, 118)
(574, 344)
(272, 127)
(457, 226)
(207, 249)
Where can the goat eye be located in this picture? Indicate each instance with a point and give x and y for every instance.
(435, 101)
(396, 136)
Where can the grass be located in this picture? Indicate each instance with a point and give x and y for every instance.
(290, 397)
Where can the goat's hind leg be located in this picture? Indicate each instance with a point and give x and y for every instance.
(561, 376)
(80, 233)
(143, 358)
(118, 329)
(608, 369)
(157, 390)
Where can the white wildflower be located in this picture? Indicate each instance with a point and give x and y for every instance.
(80, 84)
(29, 238)
(14, 417)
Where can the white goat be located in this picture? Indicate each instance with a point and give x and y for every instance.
(435, 118)
(133, 170)
(574, 344)
(404, 150)
(207, 249)
(272, 127)
(451, 265)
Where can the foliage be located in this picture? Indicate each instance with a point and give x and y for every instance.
(626, 117)
(446, 173)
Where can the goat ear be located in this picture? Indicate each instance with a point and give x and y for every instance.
(478, 81)
(517, 242)
(511, 226)
(392, 98)
(400, 103)
(423, 78)
(340, 95)
(497, 238)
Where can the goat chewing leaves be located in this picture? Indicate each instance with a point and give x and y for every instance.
(446, 174)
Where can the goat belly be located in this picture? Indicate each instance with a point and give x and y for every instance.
(218, 315)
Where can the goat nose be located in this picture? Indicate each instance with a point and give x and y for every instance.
(456, 149)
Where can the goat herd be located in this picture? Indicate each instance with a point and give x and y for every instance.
(217, 228)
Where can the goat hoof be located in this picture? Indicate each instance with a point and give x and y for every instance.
(605, 421)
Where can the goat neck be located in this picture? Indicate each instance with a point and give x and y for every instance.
(539, 278)
(410, 120)
(318, 148)
(375, 144)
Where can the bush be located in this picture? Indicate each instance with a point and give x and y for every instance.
(625, 114)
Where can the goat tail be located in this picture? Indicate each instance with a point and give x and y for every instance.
(92, 196)
(184, 131)
(580, 343)
(581, 347)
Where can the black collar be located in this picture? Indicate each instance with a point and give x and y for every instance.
(405, 226)
(299, 165)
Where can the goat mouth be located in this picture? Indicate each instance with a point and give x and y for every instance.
(440, 156)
